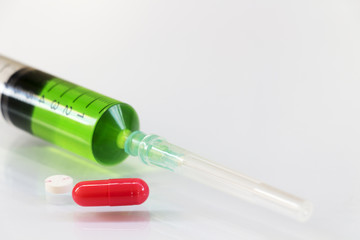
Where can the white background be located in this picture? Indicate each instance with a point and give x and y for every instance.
(268, 88)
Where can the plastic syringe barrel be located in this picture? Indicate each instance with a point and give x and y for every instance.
(70, 116)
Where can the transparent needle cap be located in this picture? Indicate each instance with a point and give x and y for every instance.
(154, 150)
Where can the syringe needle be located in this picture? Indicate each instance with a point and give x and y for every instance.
(154, 150)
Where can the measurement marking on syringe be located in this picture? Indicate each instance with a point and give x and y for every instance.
(93, 101)
(70, 88)
(53, 86)
(105, 107)
(80, 96)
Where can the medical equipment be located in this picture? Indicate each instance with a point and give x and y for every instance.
(106, 130)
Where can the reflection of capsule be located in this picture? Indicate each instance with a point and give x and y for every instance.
(70, 116)
(112, 192)
(91, 224)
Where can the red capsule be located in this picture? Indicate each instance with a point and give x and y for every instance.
(112, 192)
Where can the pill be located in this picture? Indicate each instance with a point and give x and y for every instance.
(111, 192)
(58, 184)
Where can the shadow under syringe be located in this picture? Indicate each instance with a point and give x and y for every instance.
(29, 161)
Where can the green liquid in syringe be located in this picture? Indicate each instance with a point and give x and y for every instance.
(75, 118)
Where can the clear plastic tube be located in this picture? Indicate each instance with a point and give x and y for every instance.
(153, 150)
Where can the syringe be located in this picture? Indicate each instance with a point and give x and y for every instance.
(105, 130)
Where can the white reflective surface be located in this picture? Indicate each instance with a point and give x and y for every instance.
(276, 83)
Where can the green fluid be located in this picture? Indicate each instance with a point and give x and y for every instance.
(82, 121)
